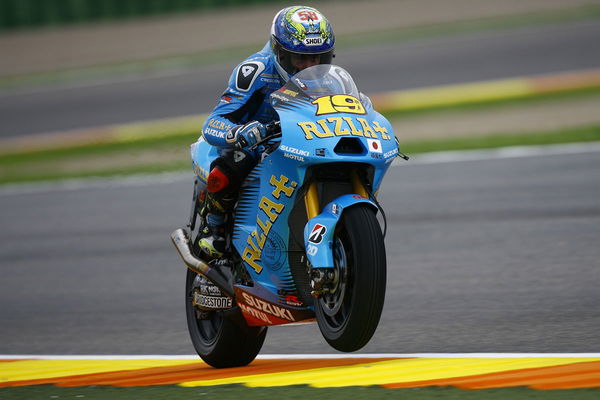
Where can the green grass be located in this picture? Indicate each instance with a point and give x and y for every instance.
(575, 135)
(288, 392)
(148, 156)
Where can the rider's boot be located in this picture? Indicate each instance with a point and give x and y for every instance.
(213, 240)
(213, 236)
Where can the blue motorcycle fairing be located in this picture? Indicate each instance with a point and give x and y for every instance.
(319, 231)
(202, 155)
(309, 138)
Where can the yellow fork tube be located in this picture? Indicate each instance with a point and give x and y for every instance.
(311, 201)
(358, 186)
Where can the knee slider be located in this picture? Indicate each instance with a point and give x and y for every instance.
(229, 170)
(217, 180)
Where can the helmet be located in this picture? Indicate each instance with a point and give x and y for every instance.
(298, 34)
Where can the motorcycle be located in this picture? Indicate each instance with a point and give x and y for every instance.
(306, 243)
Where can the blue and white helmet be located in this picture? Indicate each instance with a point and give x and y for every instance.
(299, 32)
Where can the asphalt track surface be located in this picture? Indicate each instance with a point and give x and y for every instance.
(378, 68)
(496, 255)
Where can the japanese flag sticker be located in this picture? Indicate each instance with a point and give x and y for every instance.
(374, 146)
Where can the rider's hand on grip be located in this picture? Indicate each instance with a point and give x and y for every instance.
(246, 135)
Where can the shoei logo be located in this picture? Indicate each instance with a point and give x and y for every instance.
(314, 41)
(306, 15)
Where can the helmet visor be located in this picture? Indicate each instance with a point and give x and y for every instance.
(292, 62)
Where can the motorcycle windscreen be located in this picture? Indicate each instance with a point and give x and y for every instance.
(329, 87)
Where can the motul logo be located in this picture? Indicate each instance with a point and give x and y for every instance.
(269, 308)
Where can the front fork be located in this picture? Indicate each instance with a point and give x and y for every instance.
(323, 274)
(311, 199)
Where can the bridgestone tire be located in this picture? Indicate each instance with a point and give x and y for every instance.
(219, 341)
(348, 320)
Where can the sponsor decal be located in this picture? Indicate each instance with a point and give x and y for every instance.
(247, 74)
(289, 92)
(279, 97)
(268, 308)
(200, 172)
(335, 209)
(294, 157)
(220, 125)
(300, 84)
(269, 211)
(374, 146)
(391, 153)
(314, 41)
(292, 300)
(294, 150)
(312, 250)
(255, 313)
(343, 126)
(210, 290)
(214, 133)
(269, 80)
(320, 152)
(227, 97)
(212, 302)
(377, 156)
(316, 235)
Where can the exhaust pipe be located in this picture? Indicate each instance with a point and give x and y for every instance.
(181, 241)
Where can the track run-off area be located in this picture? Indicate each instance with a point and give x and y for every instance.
(464, 371)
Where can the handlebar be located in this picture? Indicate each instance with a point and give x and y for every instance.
(273, 131)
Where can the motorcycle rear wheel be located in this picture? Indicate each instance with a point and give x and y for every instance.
(349, 316)
(219, 341)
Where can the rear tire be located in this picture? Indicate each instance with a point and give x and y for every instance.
(349, 316)
(219, 341)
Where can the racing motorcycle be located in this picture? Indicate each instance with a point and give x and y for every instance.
(306, 243)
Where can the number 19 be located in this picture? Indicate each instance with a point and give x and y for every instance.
(340, 103)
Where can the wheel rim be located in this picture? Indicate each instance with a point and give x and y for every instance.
(335, 305)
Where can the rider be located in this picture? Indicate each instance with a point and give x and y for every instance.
(301, 37)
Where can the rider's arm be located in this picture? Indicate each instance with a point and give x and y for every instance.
(237, 105)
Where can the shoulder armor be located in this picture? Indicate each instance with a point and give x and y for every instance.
(247, 73)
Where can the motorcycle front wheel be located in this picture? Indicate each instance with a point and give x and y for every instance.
(349, 315)
(219, 341)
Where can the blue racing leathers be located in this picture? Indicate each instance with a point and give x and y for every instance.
(246, 97)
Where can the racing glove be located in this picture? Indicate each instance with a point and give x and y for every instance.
(246, 135)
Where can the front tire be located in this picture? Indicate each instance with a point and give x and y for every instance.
(219, 341)
(349, 316)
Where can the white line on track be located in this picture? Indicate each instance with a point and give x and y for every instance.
(305, 356)
(420, 159)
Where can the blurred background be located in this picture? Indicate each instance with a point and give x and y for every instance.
(496, 255)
